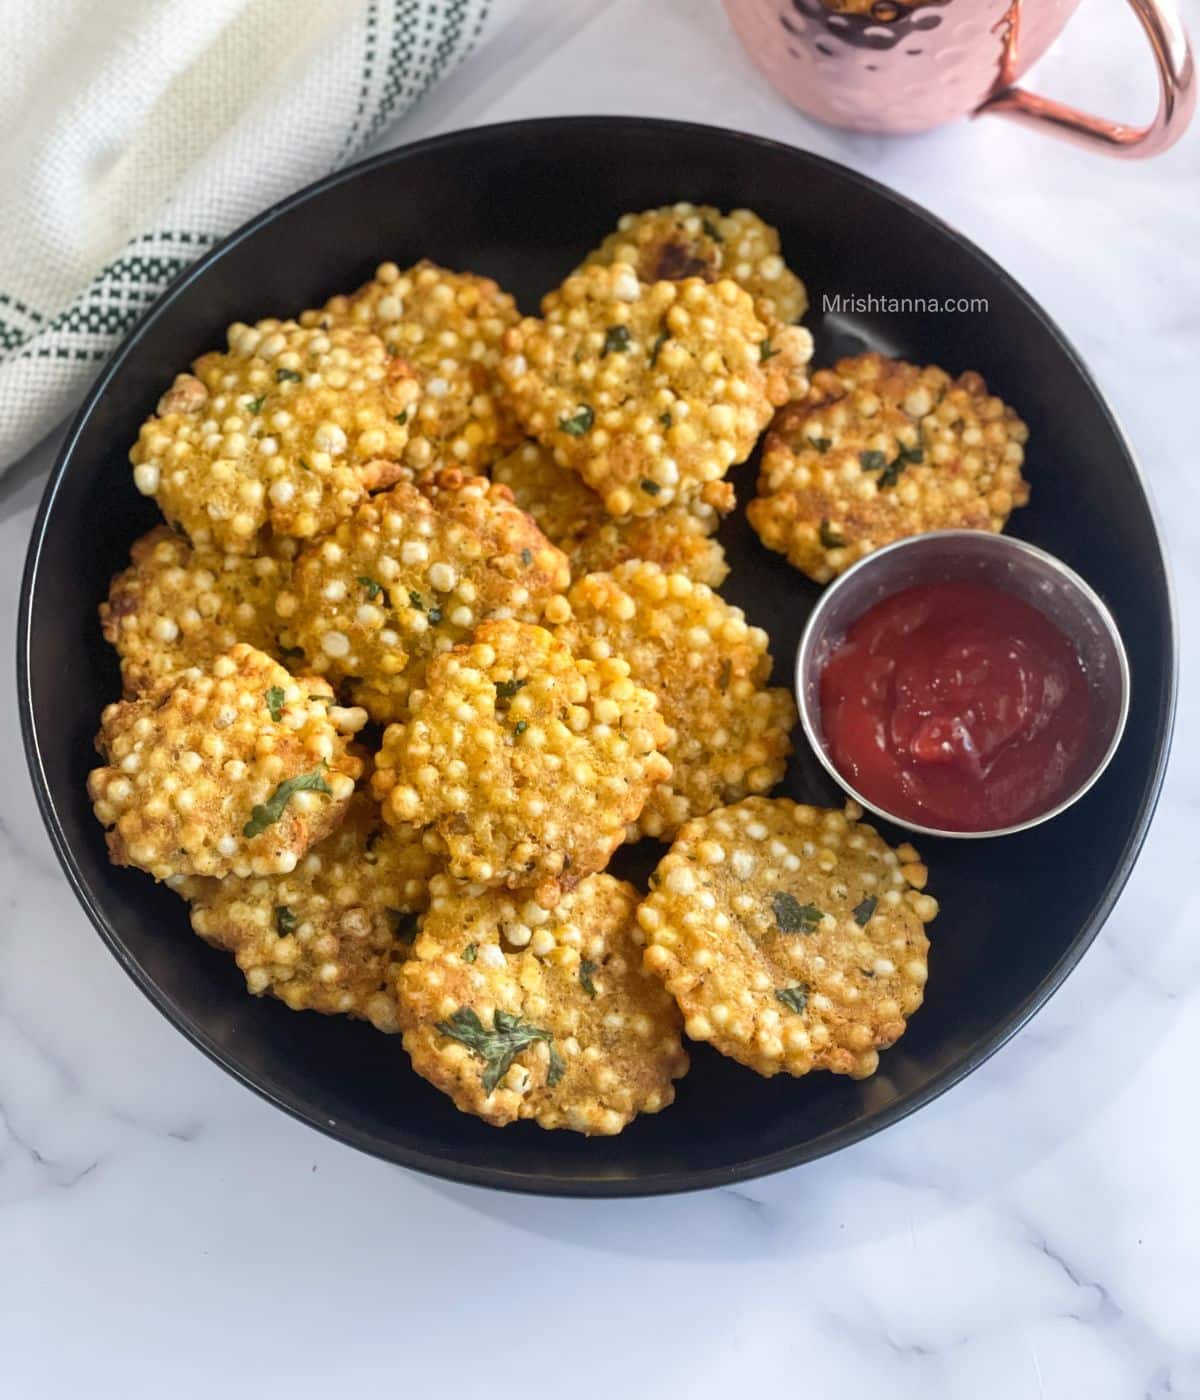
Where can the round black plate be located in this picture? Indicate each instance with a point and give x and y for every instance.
(523, 202)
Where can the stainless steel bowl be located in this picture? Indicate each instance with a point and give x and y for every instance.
(1018, 568)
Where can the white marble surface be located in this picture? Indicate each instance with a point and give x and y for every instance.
(1033, 1233)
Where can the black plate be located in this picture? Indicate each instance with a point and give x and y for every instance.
(523, 202)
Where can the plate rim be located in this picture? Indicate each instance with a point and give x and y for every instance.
(676, 1181)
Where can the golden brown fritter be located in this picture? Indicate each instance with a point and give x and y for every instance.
(411, 574)
(448, 326)
(519, 1012)
(572, 516)
(649, 391)
(236, 769)
(792, 937)
(326, 936)
(289, 427)
(879, 449)
(175, 606)
(690, 240)
(528, 762)
(709, 669)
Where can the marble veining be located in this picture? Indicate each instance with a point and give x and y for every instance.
(1033, 1233)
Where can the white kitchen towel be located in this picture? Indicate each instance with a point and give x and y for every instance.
(135, 133)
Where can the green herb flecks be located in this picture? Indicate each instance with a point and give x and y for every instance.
(469, 952)
(793, 917)
(255, 405)
(275, 699)
(402, 417)
(416, 600)
(651, 488)
(712, 230)
(665, 419)
(267, 813)
(908, 456)
(863, 911)
(822, 444)
(286, 376)
(724, 675)
(519, 728)
(663, 336)
(579, 422)
(830, 537)
(403, 926)
(500, 1044)
(586, 968)
(373, 588)
(527, 557)
(285, 920)
(872, 460)
(616, 341)
(505, 690)
(304, 466)
(794, 998)
(765, 352)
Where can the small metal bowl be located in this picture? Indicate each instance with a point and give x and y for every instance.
(1002, 562)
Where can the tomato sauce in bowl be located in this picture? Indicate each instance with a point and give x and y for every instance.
(957, 705)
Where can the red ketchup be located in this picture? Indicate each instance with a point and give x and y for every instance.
(956, 705)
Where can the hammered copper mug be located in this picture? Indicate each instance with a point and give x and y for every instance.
(907, 65)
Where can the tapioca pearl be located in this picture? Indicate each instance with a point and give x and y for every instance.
(742, 864)
(146, 477)
(335, 644)
(698, 1027)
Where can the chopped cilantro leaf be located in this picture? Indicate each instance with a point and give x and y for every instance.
(265, 814)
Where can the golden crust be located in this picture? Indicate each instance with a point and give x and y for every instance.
(448, 326)
(878, 450)
(233, 770)
(792, 937)
(649, 391)
(289, 427)
(175, 606)
(411, 574)
(690, 240)
(528, 762)
(596, 1040)
(572, 516)
(326, 936)
(709, 669)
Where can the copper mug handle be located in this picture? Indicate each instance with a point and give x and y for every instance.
(1176, 103)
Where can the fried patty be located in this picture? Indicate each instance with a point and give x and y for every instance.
(792, 937)
(411, 574)
(529, 763)
(289, 427)
(448, 326)
(878, 450)
(236, 769)
(326, 936)
(175, 606)
(689, 240)
(709, 669)
(649, 390)
(572, 516)
(519, 1012)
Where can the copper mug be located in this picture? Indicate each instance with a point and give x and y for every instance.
(907, 65)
